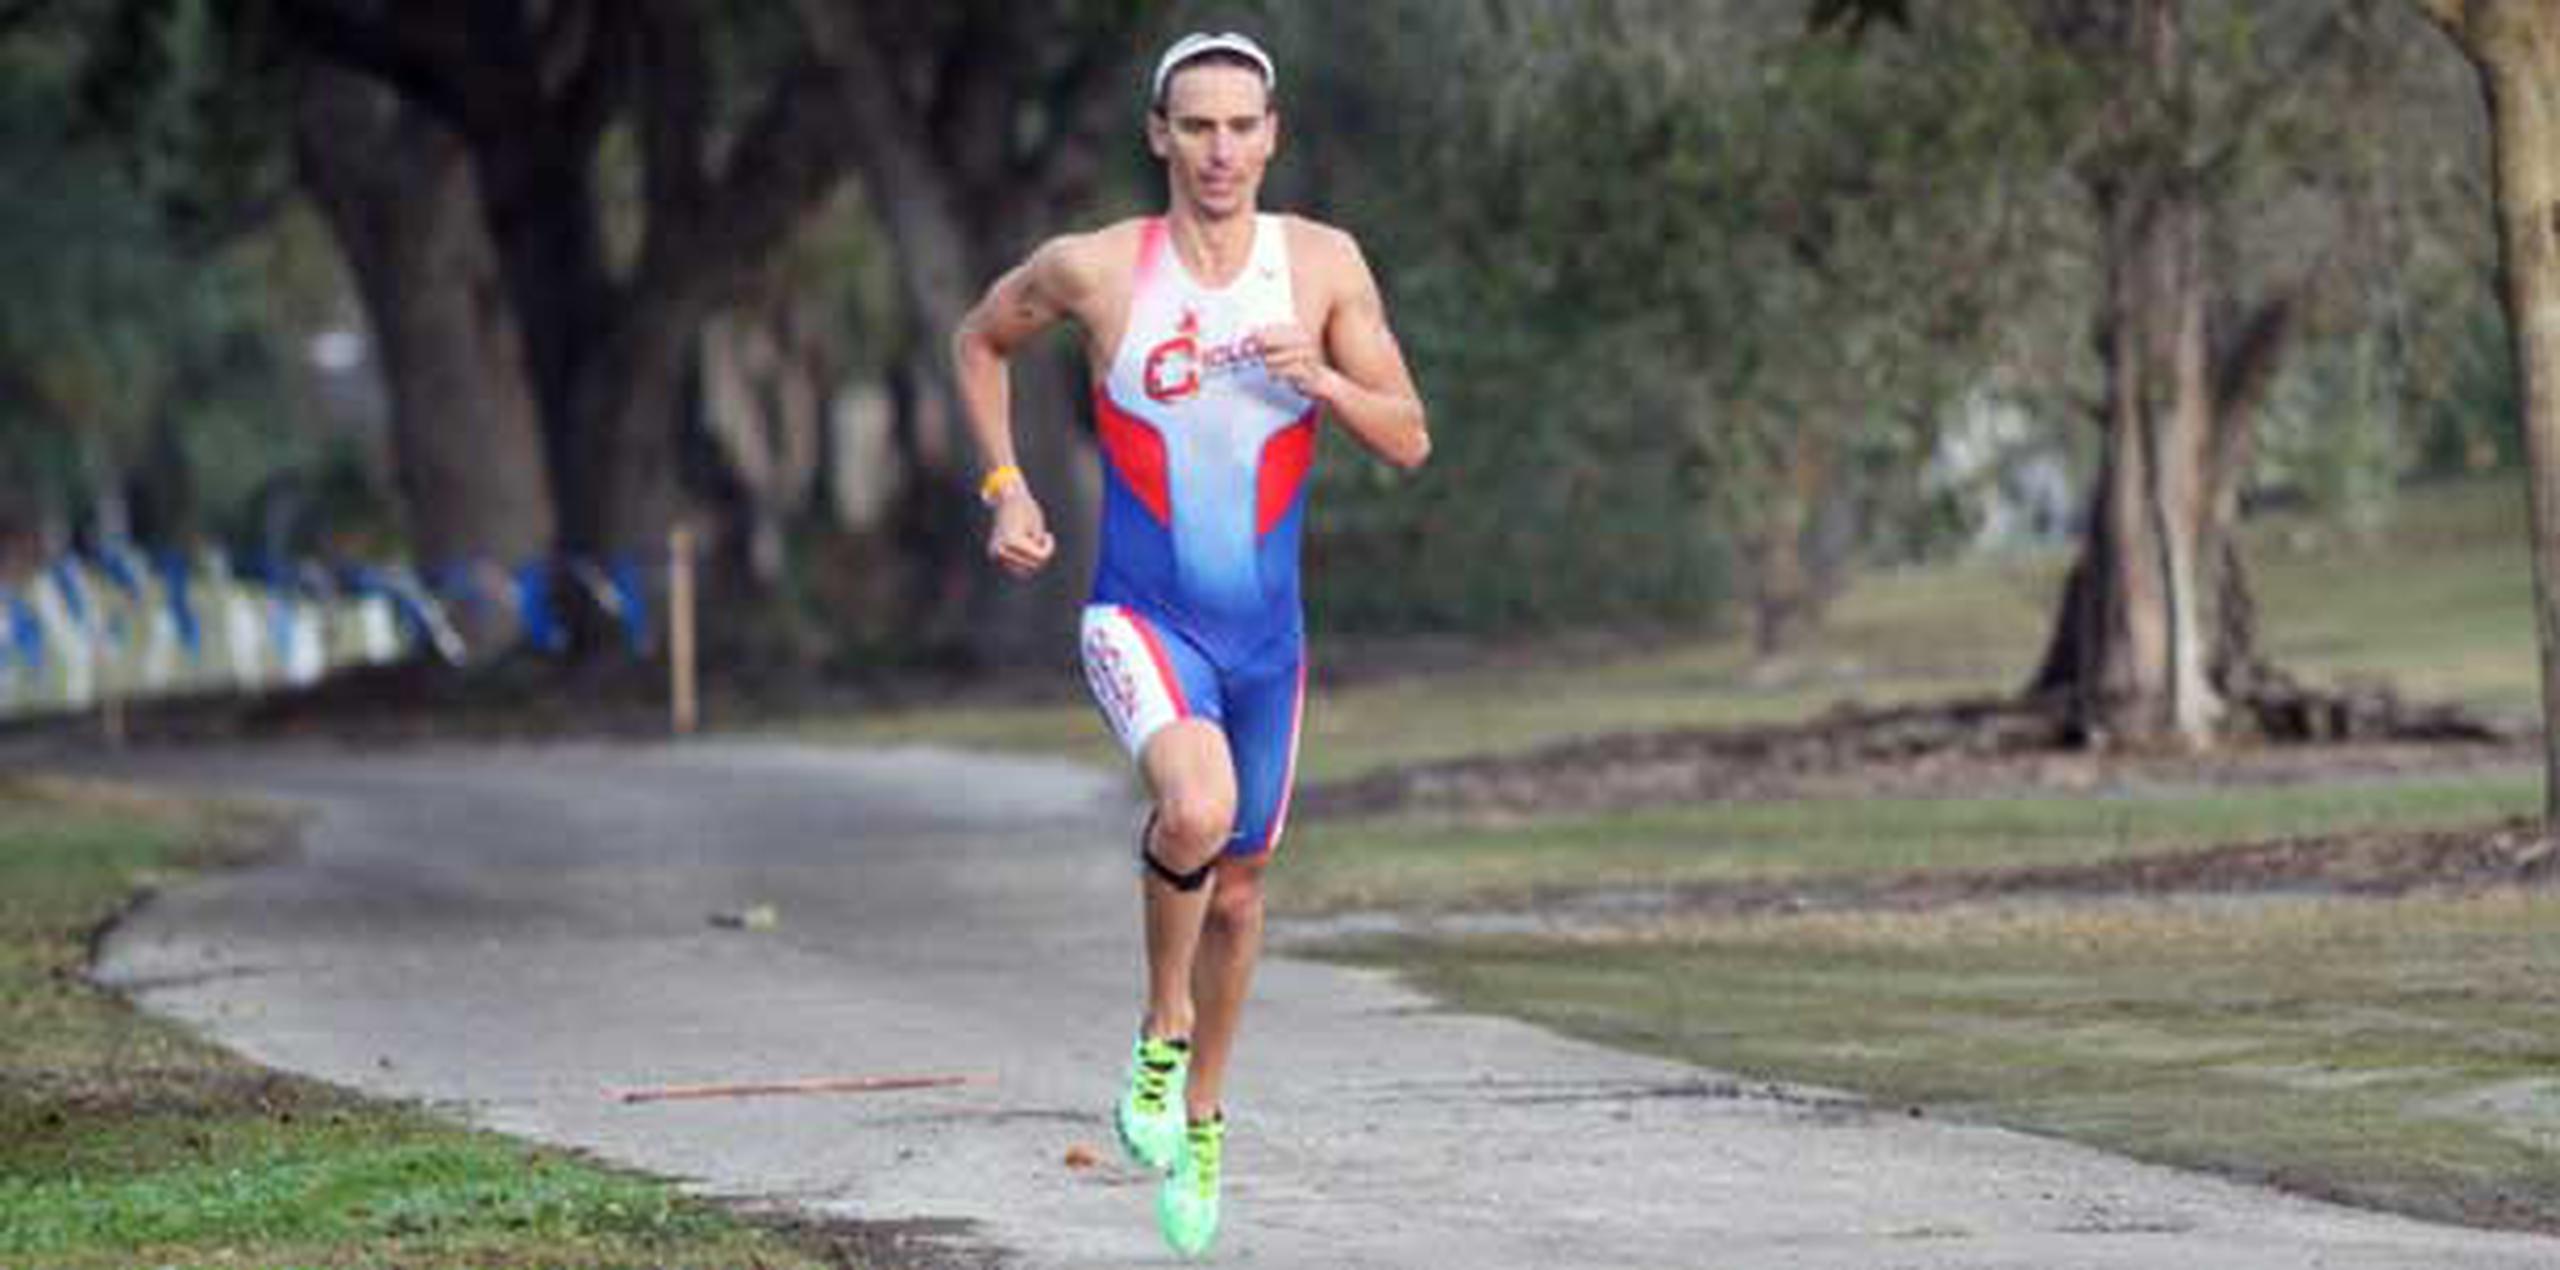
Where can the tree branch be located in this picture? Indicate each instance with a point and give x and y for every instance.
(2266, 93)
(895, 156)
(419, 56)
(668, 41)
(1072, 162)
(795, 151)
(2452, 15)
(19, 13)
(2244, 368)
(597, 71)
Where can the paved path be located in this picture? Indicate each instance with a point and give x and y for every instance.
(514, 932)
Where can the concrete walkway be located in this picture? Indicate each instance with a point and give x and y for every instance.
(514, 933)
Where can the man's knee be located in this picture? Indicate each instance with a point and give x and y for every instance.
(1191, 828)
(1236, 899)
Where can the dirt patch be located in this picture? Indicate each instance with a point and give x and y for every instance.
(2370, 863)
(926, 1243)
(55, 1100)
(1964, 748)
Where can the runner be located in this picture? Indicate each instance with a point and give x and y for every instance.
(1218, 335)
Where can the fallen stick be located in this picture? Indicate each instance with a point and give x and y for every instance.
(816, 1085)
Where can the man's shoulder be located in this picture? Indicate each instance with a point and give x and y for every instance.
(1326, 257)
(1094, 252)
(1318, 241)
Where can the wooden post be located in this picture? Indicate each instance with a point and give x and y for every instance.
(110, 683)
(683, 710)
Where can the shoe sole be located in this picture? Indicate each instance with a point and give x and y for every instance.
(1129, 1148)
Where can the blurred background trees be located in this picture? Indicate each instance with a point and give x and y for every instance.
(1717, 304)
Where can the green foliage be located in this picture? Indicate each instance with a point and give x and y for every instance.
(2332, 440)
(1673, 277)
(124, 185)
(2468, 402)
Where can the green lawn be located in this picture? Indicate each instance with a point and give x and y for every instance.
(124, 1141)
(1425, 864)
(1898, 637)
(2401, 1052)
(2439, 605)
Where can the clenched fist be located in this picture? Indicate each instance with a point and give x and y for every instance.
(1293, 357)
(1020, 542)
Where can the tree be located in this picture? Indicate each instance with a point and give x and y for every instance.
(1695, 285)
(2516, 46)
(2154, 632)
(130, 196)
(732, 142)
(980, 128)
(466, 433)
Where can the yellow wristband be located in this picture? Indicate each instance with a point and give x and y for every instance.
(997, 482)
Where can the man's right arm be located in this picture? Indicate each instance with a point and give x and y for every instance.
(1024, 302)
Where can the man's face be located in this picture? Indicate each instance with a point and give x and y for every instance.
(1215, 135)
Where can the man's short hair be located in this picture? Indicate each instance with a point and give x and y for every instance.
(1226, 48)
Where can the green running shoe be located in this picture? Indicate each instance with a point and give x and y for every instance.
(1149, 1116)
(1187, 1203)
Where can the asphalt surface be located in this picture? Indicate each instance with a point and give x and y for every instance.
(516, 934)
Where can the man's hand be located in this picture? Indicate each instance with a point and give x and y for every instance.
(1020, 542)
(1292, 355)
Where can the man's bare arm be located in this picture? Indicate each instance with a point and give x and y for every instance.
(1357, 371)
(1034, 296)
(1031, 298)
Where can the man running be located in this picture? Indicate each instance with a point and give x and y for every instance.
(1217, 335)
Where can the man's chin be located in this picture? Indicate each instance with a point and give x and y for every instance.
(1221, 204)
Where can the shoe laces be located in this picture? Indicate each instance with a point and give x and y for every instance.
(1156, 1066)
(1208, 1140)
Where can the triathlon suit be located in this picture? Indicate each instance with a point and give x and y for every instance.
(1205, 455)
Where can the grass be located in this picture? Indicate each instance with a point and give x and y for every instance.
(2439, 605)
(1962, 630)
(1422, 864)
(2401, 1054)
(2393, 1052)
(124, 1141)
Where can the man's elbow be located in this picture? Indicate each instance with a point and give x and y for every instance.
(1414, 452)
(969, 343)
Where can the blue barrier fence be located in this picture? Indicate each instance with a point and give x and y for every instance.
(124, 622)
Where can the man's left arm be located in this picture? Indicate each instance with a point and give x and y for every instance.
(1358, 371)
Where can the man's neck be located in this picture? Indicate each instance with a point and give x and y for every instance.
(1213, 248)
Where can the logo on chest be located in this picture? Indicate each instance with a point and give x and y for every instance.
(1174, 369)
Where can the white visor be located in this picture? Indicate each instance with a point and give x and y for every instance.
(1201, 42)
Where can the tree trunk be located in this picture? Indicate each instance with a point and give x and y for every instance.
(963, 196)
(2129, 640)
(1786, 586)
(763, 402)
(2516, 45)
(2130, 634)
(465, 428)
(533, 90)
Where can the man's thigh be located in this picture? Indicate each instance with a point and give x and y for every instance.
(1190, 757)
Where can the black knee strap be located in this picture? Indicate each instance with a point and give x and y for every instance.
(1183, 882)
